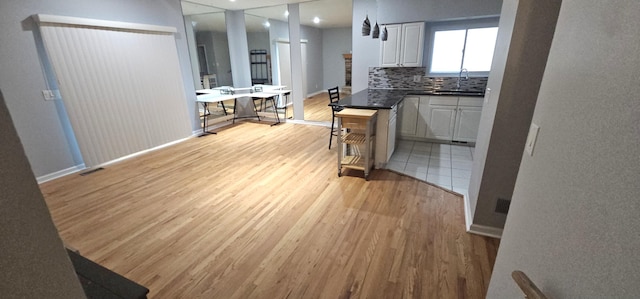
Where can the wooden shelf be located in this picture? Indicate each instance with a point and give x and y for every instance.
(359, 123)
(353, 162)
(354, 138)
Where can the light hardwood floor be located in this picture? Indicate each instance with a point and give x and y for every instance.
(316, 108)
(259, 212)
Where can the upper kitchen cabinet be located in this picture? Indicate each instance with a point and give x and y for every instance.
(404, 45)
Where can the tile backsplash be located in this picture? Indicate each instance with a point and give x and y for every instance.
(402, 78)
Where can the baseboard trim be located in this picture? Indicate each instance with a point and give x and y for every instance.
(58, 174)
(315, 93)
(468, 217)
(487, 231)
(143, 152)
(483, 230)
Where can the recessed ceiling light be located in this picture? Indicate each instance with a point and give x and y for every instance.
(316, 20)
(286, 13)
(267, 24)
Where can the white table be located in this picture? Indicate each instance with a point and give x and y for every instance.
(271, 95)
(208, 96)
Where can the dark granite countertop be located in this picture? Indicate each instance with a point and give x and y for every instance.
(387, 98)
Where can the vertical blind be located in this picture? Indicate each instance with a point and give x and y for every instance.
(120, 83)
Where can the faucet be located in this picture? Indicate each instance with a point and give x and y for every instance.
(466, 76)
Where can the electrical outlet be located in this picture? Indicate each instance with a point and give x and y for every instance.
(531, 138)
(48, 95)
(417, 78)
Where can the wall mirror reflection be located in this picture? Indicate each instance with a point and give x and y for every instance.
(265, 27)
(325, 25)
(325, 33)
(213, 67)
(209, 49)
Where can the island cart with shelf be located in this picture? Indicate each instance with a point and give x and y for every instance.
(356, 139)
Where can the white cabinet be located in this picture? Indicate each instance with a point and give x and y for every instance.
(408, 114)
(412, 114)
(393, 129)
(423, 120)
(454, 118)
(467, 119)
(441, 121)
(386, 129)
(443, 118)
(404, 45)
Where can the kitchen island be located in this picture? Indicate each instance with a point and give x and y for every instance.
(386, 101)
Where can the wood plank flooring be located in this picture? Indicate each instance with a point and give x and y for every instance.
(259, 212)
(316, 107)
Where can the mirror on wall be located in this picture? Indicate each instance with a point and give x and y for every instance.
(267, 27)
(259, 49)
(210, 49)
(325, 26)
(325, 32)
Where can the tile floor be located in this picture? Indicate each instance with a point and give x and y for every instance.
(445, 165)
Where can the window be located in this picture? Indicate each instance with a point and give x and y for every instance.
(471, 49)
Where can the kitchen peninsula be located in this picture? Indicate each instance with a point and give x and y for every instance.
(387, 101)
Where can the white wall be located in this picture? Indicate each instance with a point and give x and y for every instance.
(278, 30)
(258, 40)
(524, 38)
(573, 224)
(238, 48)
(222, 58)
(315, 65)
(40, 125)
(335, 42)
(33, 261)
(366, 50)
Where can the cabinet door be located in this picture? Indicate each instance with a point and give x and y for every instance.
(441, 121)
(390, 49)
(391, 141)
(467, 123)
(423, 116)
(412, 44)
(409, 116)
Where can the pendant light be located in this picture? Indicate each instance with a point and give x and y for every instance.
(384, 34)
(376, 31)
(366, 26)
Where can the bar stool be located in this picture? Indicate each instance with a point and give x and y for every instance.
(334, 97)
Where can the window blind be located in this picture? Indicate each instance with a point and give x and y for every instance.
(120, 83)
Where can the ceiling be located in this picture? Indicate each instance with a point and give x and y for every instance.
(208, 13)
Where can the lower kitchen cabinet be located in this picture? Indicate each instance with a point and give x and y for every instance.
(440, 122)
(386, 130)
(443, 118)
(408, 114)
(467, 123)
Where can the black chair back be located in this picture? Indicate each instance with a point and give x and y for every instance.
(334, 95)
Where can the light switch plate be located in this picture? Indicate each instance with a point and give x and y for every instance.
(531, 138)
